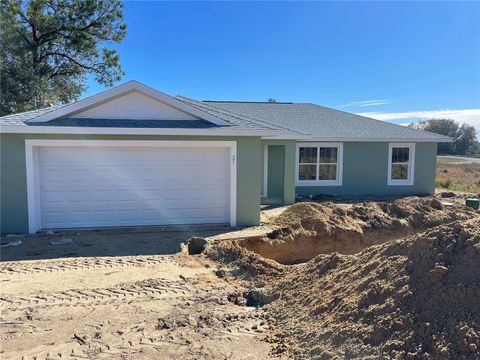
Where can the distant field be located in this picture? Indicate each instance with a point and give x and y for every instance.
(455, 175)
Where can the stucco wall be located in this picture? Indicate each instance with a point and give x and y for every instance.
(13, 200)
(365, 167)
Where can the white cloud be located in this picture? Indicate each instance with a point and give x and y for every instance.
(369, 103)
(469, 116)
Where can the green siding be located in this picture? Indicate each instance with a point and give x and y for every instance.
(365, 167)
(13, 200)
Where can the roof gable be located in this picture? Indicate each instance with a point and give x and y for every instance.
(134, 105)
(167, 105)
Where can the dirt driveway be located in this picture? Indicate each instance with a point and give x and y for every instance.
(130, 307)
(108, 242)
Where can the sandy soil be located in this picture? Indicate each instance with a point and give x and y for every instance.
(415, 296)
(412, 298)
(151, 307)
(307, 229)
(155, 240)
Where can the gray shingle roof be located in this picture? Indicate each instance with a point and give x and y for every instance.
(20, 118)
(322, 122)
(299, 120)
(237, 118)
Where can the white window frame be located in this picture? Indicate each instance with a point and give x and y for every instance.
(339, 179)
(411, 164)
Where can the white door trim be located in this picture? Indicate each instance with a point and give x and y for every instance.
(31, 161)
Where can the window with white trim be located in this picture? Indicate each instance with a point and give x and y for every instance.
(401, 158)
(319, 164)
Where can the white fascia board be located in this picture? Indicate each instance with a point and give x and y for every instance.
(409, 140)
(23, 129)
(340, 139)
(124, 89)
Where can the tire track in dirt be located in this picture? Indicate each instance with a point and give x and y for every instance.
(40, 266)
(138, 291)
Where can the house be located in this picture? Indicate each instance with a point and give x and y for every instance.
(133, 156)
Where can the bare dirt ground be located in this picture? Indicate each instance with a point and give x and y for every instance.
(412, 298)
(415, 295)
(138, 307)
(306, 229)
(107, 242)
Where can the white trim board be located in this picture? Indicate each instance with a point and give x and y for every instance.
(357, 139)
(337, 182)
(31, 162)
(411, 165)
(25, 129)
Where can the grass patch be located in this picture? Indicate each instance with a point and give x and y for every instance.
(458, 177)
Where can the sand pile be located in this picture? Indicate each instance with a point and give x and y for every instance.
(242, 262)
(308, 229)
(415, 298)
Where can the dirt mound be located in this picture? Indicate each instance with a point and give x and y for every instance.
(244, 263)
(414, 298)
(309, 229)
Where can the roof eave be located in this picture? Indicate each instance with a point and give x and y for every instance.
(237, 131)
(360, 139)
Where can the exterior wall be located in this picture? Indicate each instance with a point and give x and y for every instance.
(365, 172)
(282, 186)
(13, 182)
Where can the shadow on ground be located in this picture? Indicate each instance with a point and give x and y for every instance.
(111, 242)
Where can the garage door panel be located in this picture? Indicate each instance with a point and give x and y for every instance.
(53, 196)
(88, 187)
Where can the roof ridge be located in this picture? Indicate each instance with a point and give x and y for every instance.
(248, 102)
(243, 116)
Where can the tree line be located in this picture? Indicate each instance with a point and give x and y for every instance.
(465, 141)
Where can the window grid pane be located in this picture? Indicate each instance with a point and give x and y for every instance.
(328, 172)
(399, 171)
(400, 155)
(328, 155)
(307, 172)
(308, 155)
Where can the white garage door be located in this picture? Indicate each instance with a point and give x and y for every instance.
(129, 186)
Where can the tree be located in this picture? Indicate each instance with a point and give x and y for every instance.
(465, 138)
(49, 47)
(467, 142)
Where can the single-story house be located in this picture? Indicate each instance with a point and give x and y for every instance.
(134, 156)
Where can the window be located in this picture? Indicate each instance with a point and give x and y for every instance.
(319, 164)
(401, 164)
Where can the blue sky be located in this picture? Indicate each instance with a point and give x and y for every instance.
(393, 61)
